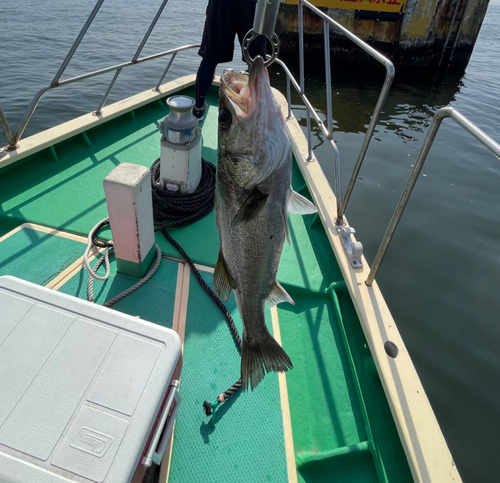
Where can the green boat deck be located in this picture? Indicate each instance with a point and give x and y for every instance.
(342, 426)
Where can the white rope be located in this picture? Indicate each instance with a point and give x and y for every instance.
(92, 272)
(105, 257)
(90, 245)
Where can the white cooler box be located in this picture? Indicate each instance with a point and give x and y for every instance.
(86, 393)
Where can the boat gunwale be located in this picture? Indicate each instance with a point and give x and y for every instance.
(428, 455)
(426, 450)
(49, 137)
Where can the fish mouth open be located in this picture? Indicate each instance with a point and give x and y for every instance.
(244, 90)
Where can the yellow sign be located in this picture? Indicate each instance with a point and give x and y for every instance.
(394, 6)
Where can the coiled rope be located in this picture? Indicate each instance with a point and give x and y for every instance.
(170, 210)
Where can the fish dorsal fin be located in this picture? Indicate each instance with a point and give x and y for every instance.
(298, 205)
(278, 294)
(222, 285)
(251, 207)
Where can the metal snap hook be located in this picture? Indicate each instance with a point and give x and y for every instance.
(250, 37)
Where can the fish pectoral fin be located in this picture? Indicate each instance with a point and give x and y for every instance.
(278, 294)
(251, 207)
(222, 285)
(298, 205)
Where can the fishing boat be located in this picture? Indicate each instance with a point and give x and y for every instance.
(352, 408)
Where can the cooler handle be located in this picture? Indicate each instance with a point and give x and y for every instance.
(164, 427)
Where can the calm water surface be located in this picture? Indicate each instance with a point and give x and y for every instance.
(441, 274)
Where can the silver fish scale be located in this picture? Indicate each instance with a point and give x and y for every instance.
(252, 249)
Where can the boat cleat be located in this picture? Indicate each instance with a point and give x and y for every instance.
(352, 248)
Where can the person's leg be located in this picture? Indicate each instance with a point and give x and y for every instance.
(204, 79)
(217, 43)
(217, 46)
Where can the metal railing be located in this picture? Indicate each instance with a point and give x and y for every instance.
(465, 124)
(13, 139)
(327, 131)
(354, 250)
(342, 200)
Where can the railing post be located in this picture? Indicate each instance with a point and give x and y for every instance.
(27, 116)
(76, 43)
(329, 115)
(396, 217)
(369, 133)
(329, 119)
(157, 88)
(380, 103)
(302, 77)
(148, 33)
(289, 97)
(320, 123)
(464, 123)
(136, 56)
(108, 91)
(6, 130)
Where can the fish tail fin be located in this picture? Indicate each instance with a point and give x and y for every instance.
(258, 359)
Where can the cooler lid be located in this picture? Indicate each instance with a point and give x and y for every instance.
(80, 386)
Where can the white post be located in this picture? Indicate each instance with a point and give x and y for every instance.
(130, 208)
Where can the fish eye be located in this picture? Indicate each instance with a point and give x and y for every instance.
(225, 119)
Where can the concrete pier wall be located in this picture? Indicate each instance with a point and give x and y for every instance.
(413, 33)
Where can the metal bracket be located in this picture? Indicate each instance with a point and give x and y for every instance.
(353, 249)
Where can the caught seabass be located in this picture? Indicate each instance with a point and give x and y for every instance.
(252, 201)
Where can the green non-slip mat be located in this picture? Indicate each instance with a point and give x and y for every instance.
(247, 443)
(36, 256)
(154, 301)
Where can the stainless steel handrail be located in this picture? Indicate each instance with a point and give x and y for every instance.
(134, 58)
(148, 33)
(464, 123)
(56, 82)
(310, 109)
(343, 200)
(76, 43)
(108, 92)
(41, 92)
(302, 77)
(328, 131)
(165, 72)
(5, 126)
